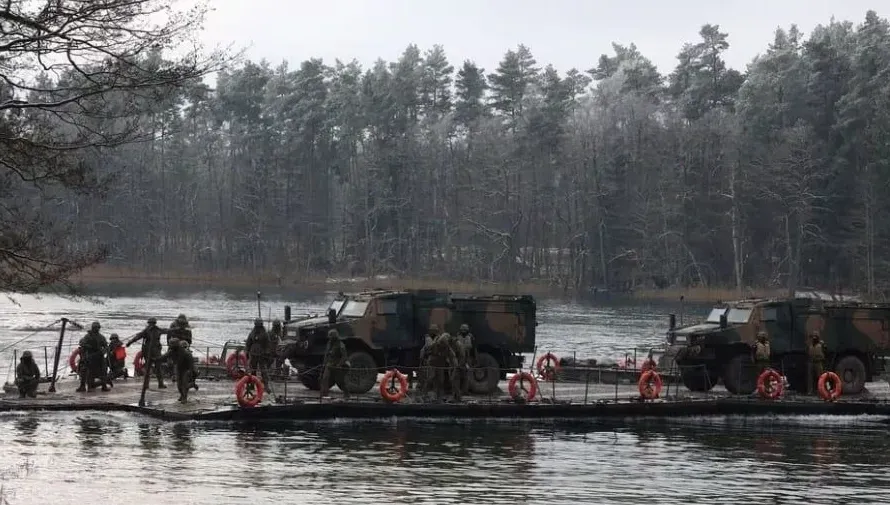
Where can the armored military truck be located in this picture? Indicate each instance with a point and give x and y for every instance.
(385, 329)
(856, 334)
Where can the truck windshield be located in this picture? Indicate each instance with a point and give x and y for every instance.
(336, 305)
(716, 312)
(733, 315)
(354, 308)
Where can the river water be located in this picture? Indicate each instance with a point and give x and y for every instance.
(77, 458)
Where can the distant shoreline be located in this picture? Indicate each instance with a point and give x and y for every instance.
(117, 277)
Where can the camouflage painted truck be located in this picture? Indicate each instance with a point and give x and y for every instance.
(856, 334)
(385, 329)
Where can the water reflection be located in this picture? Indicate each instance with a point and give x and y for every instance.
(91, 434)
(182, 443)
(27, 428)
(149, 438)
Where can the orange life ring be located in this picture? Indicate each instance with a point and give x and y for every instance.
(139, 363)
(646, 382)
(545, 369)
(389, 395)
(649, 364)
(524, 377)
(236, 372)
(766, 378)
(245, 398)
(836, 389)
(74, 359)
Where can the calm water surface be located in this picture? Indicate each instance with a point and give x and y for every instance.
(82, 458)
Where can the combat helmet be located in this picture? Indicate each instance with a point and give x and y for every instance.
(152, 321)
(276, 323)
(333, 334)
(114, 336)
(27, 355)
(95, 326)
(464, 328)
(258, 322)
(434, 329)
(173, 343)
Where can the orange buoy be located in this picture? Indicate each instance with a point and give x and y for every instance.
(389, 394)
(236, 371)
(514, 386)
(770, 384)
(835, 392)
(650, 385)
(139, 363)
(545, 369)
(74, 359)
(247, 396)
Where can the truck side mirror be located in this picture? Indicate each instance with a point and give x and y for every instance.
(723, 323)
(332, 316)
(672, 321)
(287, 312)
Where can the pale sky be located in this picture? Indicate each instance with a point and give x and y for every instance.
(566, 33)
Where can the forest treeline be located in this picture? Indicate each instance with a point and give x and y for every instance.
(611, 175)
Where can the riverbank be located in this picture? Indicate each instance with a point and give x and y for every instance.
(105, 276)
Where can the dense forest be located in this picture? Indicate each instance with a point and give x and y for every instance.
(612, 175)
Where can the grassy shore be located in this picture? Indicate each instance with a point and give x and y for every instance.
(111, 276)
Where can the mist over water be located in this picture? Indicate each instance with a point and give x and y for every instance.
(94, 457)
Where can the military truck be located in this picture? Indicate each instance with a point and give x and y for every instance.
(386, 328)
(856, 335)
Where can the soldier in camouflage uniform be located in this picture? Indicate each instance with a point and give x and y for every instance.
(816, 355)
(762, 352)
(442, 360)
(27, 376)
(424, 377)
(180, 356)
(275, 336)
(458, 374)
(151, 347)
(335, 364)
(116, 358)
(469, 347)
(93, 347)
(257, 346)
(179, 329)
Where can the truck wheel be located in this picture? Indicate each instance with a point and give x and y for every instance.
(362, 373)
(699, 379)
(310, 377)
(851, 370)
(484, 376)
(740, 375)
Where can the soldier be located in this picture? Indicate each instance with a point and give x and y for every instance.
(441, 358)
(762, 352)
(116, 358)
(179, 328)
(151, 347)
(466, 339)
(183, 364)
(275, 336)
(816, 354)
(458, 374)
(27, 376)
(93, 347)
(424, 377)
(257, 346)
(335, 364)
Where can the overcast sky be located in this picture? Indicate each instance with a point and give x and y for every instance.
(566, 33)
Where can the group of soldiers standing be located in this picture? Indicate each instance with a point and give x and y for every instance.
(815, 357)
(445, 357)
(103, 360)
